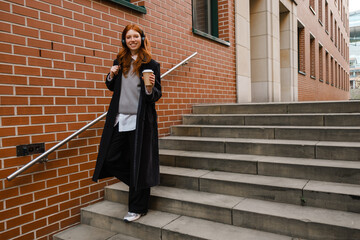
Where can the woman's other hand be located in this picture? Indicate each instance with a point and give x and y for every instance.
(114, 71)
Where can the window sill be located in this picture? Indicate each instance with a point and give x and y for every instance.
(140, 9)
(302, 73)
(320, 80)
(206, 35)
(327, 32)
(320, 22)
(327, 83)
(313, 11)
(312, 77)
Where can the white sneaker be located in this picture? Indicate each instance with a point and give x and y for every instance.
(130, 217)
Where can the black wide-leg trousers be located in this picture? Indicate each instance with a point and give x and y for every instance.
(119, 161)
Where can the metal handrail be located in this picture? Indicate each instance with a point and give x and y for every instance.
(46, 153)
(176, 66)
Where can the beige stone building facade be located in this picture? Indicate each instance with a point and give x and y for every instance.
(267, 50)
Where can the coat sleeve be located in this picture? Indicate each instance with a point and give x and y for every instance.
(156, 91)
(110, 84)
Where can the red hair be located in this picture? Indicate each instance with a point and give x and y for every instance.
(144, 53)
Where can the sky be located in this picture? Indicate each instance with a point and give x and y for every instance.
(354, 5)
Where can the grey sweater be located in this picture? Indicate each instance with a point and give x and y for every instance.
(130, 93)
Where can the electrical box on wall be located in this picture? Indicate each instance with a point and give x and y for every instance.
(29, 149)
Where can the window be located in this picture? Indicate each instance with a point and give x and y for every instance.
(327, 17)
(338, 39)
(206, 19)
(321, 63)
(327, 67)
(312, 57)
(339, 5)
(332, 71)
(335, 34)
(312, 6)
(342, 44)
(342, 79)
(205, 16)
(320, 11)
(301, 48)
(331, 26)
(336, 74)
(337, 84)
(132, 4)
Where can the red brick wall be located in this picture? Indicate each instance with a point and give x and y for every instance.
(313, 89)
(54, 57)
(226, 10)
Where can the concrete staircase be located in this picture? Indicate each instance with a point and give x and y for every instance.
(251, 171)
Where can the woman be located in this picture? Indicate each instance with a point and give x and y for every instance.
(129, 143)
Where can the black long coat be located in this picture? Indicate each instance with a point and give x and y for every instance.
(145, 168)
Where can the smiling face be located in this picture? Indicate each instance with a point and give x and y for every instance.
(133, 41)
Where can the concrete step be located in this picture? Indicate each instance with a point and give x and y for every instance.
(158, 225)
(297, 107)
(269, 147)
(338, 196)
(321, 170)
(306, 222)
(346, 134)
(235, 210)
(209, 206)
(85, 232)
(186, 228)
(314, 119)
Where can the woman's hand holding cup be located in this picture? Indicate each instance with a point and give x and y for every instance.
(149, 79)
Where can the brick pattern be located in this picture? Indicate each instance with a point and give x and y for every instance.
(55, 55)
(334, 38)
(225, 11)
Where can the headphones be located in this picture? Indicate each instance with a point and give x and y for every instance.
(142, 34)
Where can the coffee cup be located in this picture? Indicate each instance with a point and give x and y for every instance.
(146, 75)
